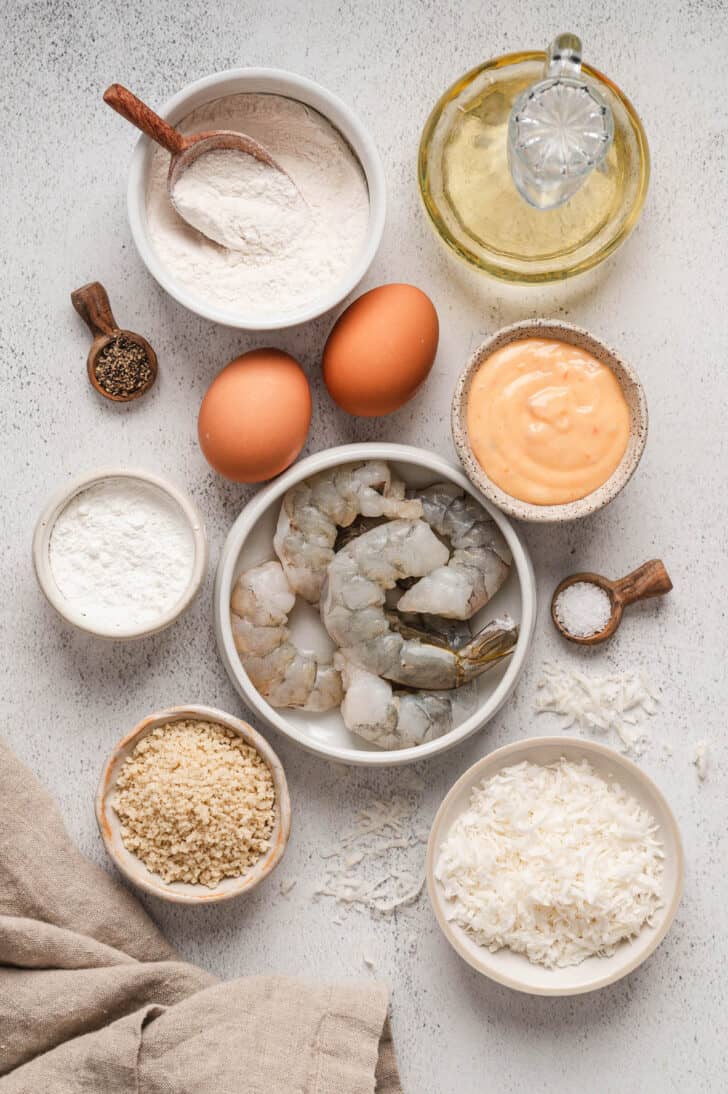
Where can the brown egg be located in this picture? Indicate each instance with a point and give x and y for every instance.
(381, 350)
(255, 416)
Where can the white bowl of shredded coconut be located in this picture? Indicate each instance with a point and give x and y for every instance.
(280, 277)
(555, 866)
(193, 806)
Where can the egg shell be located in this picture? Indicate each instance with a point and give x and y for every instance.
(381, 350)
(255, 415)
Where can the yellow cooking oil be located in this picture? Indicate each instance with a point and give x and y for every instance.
(483, 199)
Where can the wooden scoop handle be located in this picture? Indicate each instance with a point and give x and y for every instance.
(143, 117)
(650, 579)
(92, 304)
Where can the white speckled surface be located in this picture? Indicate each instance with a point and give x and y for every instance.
(661, 301)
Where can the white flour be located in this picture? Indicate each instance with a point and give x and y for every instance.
(263, 281)
(243, 204)
(121, 553)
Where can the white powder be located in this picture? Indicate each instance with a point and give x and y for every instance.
(122, 554)
(583, 609)
(243, 204)
(264, 281)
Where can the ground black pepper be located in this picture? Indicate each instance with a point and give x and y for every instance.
(122, 367)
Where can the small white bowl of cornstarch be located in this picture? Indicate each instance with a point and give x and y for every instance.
(120, 553)
(193, 806)
(555, 866)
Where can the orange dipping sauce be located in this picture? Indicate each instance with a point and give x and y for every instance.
(547, 422)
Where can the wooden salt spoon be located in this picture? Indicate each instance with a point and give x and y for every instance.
(92, 304)
(650, 579)
(184, 150)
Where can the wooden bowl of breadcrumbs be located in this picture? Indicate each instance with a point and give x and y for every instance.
(193, 806)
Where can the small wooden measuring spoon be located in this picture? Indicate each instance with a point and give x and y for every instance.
(184, 150)
(92, 304)
(650, 579)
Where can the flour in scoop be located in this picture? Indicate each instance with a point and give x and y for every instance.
(121, 553)
(243, 204)
(307, 227)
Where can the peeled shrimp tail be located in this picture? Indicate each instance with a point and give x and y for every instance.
(283, 674)
(389, 719)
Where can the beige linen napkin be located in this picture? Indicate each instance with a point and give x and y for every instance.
(93, 1000)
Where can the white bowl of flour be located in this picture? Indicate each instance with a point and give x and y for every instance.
(290, 277)
(120, 554)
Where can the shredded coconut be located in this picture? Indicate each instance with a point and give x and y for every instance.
(583, 609)
(121, 553)
(265, 280)
(376, 865)
(195, 803)
(701, 757)
(552, 862)
(617, 702)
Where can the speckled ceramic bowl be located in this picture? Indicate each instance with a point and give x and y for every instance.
(134, 869)
(633, 393)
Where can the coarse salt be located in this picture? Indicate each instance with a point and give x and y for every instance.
(583, 609)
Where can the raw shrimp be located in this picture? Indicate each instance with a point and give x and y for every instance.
(283, 674)
(480, 560)
(353, 610)
(389, 719)
(313, 510)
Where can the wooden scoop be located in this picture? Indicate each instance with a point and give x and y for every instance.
(92, 304)
(184, 150)
(650, 579)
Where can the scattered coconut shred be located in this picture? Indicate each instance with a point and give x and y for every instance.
(376, 866)
(196, 803)
(552, 862)
(616, 702)
(701, 759)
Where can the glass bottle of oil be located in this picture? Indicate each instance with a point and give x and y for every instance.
(470, 194)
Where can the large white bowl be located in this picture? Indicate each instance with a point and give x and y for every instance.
(513, 969)
(235, 81)
(250, 542)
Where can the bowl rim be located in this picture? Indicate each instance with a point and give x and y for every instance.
(236, 538)
(518, 750)
(44, 530)
(165, 890)
(491, 267)
(639, 422)
(344, 120)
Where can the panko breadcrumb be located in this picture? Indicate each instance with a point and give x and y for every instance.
(195, 803)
